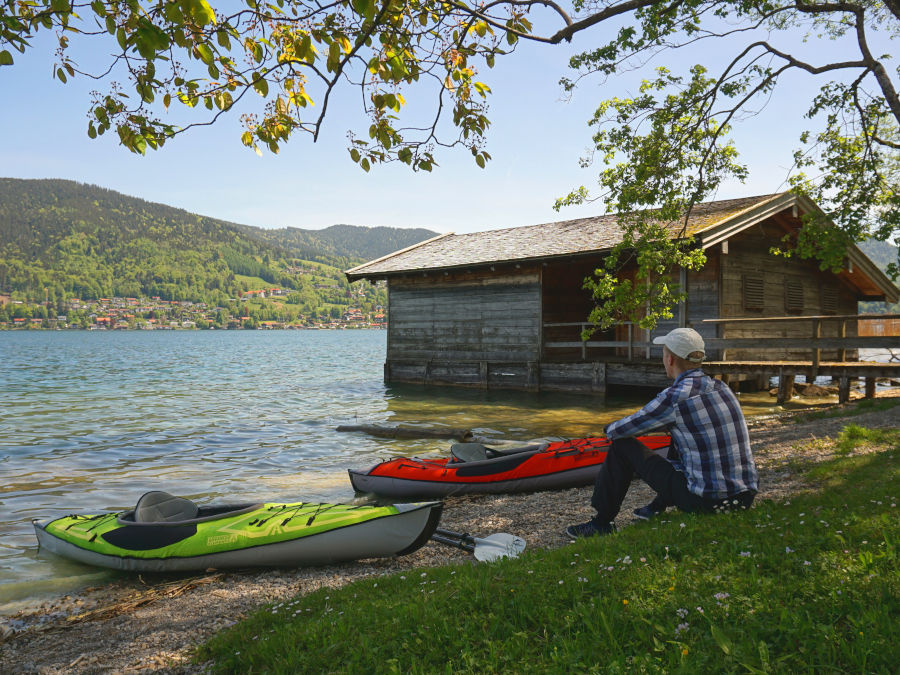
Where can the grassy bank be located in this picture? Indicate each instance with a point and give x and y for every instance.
(809, 584)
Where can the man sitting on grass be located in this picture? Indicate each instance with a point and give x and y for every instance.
(711, 467)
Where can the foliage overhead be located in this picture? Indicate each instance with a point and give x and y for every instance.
(662, 150)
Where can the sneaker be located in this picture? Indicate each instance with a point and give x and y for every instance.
(647, 512)
(589, 529)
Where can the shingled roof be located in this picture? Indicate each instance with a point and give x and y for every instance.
(540, 242)
(710, 223)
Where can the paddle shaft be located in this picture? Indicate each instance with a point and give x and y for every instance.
(450, 534)
(456, 543)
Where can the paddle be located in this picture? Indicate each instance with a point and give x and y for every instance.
(492, 547)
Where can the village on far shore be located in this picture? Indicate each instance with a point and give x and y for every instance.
(256, 309)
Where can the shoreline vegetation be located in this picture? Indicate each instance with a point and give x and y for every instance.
(805, 579)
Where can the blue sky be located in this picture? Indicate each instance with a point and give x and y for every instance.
(536, 141)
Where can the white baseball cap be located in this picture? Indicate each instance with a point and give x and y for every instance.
(681, 342)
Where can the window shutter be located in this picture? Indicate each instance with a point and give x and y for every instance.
(793, 295)
(829, 300)
(753, 287)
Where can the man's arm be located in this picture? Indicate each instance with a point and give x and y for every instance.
(657, 415)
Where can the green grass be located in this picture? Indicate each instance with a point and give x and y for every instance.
(858, 408)
(808, 585)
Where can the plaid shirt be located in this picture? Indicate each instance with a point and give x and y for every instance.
(708, 430)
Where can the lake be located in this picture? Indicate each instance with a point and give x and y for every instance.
(90, 420)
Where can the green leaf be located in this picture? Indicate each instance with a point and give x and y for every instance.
(6, 59)
(479, 160)
(721, 640)
(261, 85)
(201, 12)
(205, 53)
(61, 74)
(354, 154)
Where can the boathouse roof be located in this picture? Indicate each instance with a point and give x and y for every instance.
(710, 223)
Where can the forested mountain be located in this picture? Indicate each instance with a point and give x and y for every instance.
(61, 239)
(881, 253)
(348, 243)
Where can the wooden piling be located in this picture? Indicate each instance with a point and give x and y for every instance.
(785, 388)
(870, 387)
(844, 389)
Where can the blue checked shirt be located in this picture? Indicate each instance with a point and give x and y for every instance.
(708, 430)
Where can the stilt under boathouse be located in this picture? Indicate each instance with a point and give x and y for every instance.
(504, 309)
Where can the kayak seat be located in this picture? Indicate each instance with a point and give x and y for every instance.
(161, 507)
(476, 452)
(470, 452)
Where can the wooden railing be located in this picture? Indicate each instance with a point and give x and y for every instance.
(815, 343)
(630, 343)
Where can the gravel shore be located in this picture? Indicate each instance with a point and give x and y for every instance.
(146, 624)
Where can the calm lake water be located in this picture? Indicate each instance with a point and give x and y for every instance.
(89, 421)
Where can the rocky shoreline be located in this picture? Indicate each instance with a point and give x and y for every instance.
(152, 624)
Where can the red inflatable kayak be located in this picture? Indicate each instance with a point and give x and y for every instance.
(475, 468)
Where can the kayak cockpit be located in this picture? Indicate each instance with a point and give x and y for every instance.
(476, 452)
(161, 508)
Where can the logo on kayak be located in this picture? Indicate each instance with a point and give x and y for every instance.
(221, 539)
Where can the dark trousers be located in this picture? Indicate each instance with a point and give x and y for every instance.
(627, 458)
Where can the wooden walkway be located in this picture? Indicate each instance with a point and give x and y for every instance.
(637, 354)
(843, 371)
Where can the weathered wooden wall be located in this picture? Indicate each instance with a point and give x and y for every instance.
(748, 256)
(565, 300)
(472, 316)
(702, 303)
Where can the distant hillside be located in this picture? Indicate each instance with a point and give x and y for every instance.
(881, 252)
(342, 241)
(61, 239)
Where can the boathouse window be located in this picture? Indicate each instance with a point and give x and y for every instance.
(829, 300)
(793, 295)
(753, 286)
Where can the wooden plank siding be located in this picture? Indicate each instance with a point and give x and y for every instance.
(749, 255)
(465, 317)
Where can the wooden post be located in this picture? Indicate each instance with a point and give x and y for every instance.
(598, 378)
(870, 387)
(842, 353)
(483, 373)
(816, 352)
(630, 341)
(844, 389)
(785, 387)
(534, 376)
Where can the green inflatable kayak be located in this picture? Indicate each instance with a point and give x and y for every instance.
(170, 534)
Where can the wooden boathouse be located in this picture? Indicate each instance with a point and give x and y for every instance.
(504, 309)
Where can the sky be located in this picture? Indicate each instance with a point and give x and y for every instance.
(536, 140)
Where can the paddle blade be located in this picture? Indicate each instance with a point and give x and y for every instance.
(496, 546)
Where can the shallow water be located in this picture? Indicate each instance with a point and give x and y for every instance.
(89, 421)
